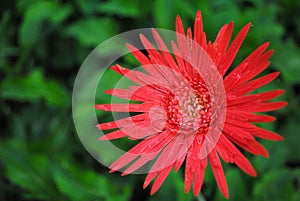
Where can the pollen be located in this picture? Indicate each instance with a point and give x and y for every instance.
(188, 107)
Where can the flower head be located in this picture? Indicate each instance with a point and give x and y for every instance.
(190, 111)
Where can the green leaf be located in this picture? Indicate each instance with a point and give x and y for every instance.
(87, 7)
(236, 184)
(78, 184)
(275, 185)
(38, 13)
(92, 31)
(126, 8)
(165, 19)
(291, 137)
(286, 60)
(34, 87)
(30, 172)
(278, 154)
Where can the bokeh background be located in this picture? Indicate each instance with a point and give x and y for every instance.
(42, 46)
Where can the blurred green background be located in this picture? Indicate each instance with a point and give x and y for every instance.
(42, 46)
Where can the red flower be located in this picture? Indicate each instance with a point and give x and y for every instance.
(184, 116)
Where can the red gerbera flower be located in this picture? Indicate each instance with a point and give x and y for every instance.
(188, 111)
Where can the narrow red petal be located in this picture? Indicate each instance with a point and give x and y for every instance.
(242, 100)
(179, 162)
(149, 178)
(144, 147)
(137, 76)
(222, 41)
(138, 55)
(261, 107)
(180, 35)
(199, 175)
(262, 133)
(233, 50)
(236, 131)
(188, 179)
(152, 50)
(192, 160)
(179, 59)
(122, 161)
(233, 155)
(252, 146)
(160, 179)
(199, 35)
(123, 122)
(164, 50)
(113, 135)
(125, 107)
(176, 148)
(189, 34)
(248, 116)
(149, 153)
(143, 93)
(260, 118)
(218, 172)
(235, 77)
(270, 94)
(252, 85)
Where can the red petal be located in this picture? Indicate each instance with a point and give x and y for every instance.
(143, 93)
(218, 172)
(122, 161)
(151, 49)
(248, 116)
(182, 44)
(235, 75)
(236, 131)
(192, 161)
(160, 179)
(145, 107)
(113, 135)
(164, 50)
(188, 178)
(174, 150)
(240, 124)
(270, 94)
(262, 133)
(123, 122)
(199, 175)
(260, 118)
(149, 178)
(251, 146)
(254, 84)
(232, 154)
(179, 59)
(261, 107)
(137, 76)
(138, 55)
(222, 41)
(148, 153)
(199, 35)
(179, 162)
(249, 100)
(233, 50)
(147, 146)
(242, 100)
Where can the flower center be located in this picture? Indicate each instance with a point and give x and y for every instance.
(189, 108)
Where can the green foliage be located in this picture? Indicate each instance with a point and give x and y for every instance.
(42, 46)
(34, 87)
(91, 31)
(32, 25)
